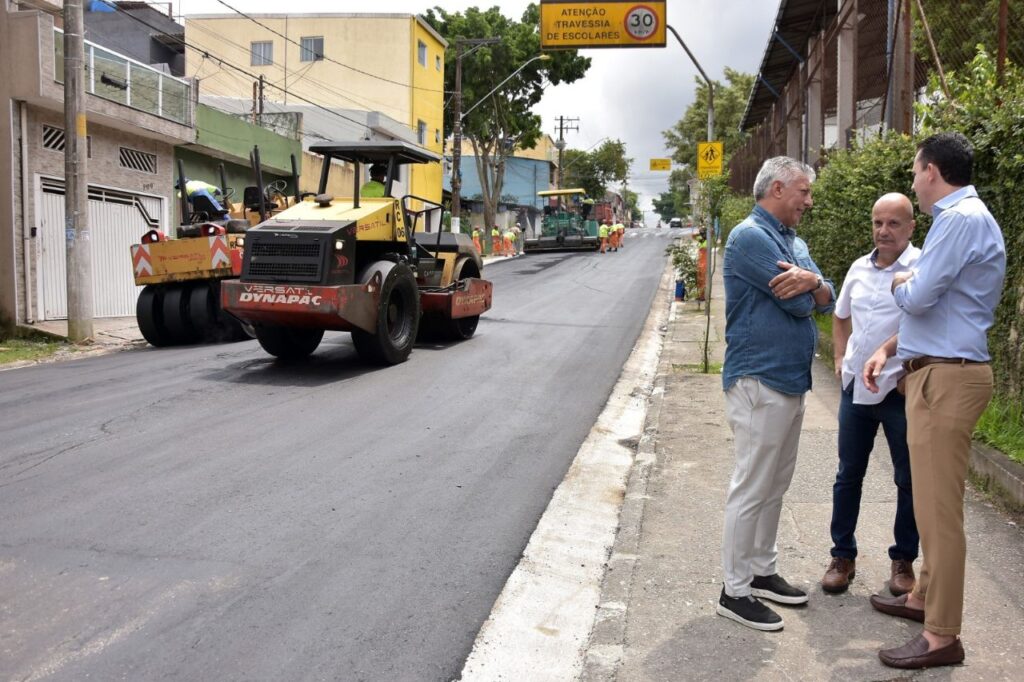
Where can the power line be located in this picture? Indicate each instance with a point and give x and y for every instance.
(325, 57)
(228, 64)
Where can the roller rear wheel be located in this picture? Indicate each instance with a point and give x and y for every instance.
(398, 316)
(150, 317)
(288, 343)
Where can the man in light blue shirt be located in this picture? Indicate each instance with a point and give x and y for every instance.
(948, 304)
(771, 289)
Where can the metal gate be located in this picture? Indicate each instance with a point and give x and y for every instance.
(116, 221)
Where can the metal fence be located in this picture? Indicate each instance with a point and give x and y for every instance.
(857, 67)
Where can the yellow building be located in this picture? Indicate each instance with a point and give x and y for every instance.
(392, 63)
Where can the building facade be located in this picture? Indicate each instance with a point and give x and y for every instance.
(391, 63)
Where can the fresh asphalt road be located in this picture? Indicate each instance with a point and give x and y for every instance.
(207, 513)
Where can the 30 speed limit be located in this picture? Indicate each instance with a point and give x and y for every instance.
(641, 22)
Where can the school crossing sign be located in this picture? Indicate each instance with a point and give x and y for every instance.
(571, 25)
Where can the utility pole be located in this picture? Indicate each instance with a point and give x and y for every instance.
(76, 190)
(457, 124)
(563, 125)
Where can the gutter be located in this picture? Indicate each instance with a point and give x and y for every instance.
(26, 231)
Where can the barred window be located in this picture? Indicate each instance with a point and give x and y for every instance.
(133, 159)
(53, 139)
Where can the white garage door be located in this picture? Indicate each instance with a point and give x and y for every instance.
(116, 221)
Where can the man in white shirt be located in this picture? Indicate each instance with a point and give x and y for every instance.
(865, 317)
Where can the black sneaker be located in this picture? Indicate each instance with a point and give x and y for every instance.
(748, 611)
(775, 588)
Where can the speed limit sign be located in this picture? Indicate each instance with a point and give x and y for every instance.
(641, 22)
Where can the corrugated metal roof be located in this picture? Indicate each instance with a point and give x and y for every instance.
(795, 23)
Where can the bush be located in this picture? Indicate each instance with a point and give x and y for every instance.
(838, 228)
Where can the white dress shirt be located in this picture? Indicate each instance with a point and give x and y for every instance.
(866, 296)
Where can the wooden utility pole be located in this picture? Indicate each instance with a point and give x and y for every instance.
(563, 125)
(76, 189)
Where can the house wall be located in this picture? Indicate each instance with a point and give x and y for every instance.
(133, 38)
(380, 73)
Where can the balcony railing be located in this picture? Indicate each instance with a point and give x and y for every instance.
(126, 81)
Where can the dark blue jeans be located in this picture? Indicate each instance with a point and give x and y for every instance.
(858, 425)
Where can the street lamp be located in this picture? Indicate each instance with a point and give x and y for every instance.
(457, 133)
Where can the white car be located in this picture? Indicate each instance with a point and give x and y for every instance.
(675, 222)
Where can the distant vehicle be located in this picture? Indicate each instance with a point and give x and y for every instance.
(675, 222)
(568, 224)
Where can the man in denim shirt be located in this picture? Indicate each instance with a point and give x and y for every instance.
(771, 289)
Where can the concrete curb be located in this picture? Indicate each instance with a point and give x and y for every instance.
(607, 639)
(1003, 476)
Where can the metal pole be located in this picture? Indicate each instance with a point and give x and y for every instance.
(76, 189)
(711, 88)
(457, 144)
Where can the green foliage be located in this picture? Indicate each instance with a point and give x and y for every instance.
(29, 349)
(684, 262)
(735, 208)
(505, 120)
(959, 27)
(675, 202)
(1002, 427)
(730, 103)
(838, 227)
(595, 171)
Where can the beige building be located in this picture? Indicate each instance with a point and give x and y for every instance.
(135, 115)
(391, 63)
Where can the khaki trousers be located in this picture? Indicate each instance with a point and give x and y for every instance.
(766, 429)
(944, 402)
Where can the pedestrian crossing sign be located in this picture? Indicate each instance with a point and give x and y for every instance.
(709, 159)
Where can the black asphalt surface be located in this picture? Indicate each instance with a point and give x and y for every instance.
(206, 513)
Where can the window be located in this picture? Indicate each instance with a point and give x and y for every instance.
(437, 62)
(262, 53)
(437, 134)
(139, 161)
(421, 52)
(312, 49)
(53, 139)
(421, 132)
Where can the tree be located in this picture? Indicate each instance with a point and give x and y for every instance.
(505, 121)
(595, 171)
(959, 27)
(674, 202)
(730, 103)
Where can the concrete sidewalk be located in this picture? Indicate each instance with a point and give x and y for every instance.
(657, 619)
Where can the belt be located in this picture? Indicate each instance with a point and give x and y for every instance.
(914, 364)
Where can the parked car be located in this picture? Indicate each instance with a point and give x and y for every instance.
(675, 222)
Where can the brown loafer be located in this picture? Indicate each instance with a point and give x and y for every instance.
(839, 574)
(896, 606)
(902, 579)
(914, 655)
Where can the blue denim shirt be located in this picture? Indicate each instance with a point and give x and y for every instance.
(766, 338)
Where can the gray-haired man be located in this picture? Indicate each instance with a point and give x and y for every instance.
(771, 289)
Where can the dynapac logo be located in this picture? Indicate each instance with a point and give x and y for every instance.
(268, 293)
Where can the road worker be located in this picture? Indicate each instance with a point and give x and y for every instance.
(622, 235)
(602, 233)
(495, 241)
(476, 240)
(509, 241)
(374, 188)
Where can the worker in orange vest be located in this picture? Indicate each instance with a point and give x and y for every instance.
(495, 241)
(602, 232)
(509, 239)
(476, 239)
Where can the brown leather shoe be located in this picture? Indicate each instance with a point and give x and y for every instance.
(896, 606)
(914, 654)
(839, 574)
(902, 577)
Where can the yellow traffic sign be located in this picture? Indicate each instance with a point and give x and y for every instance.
(661, 164)
(709, 159)
(604, 23)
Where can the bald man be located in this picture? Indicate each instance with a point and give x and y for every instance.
(865, 317)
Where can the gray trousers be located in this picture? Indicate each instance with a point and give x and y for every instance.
(766, 430)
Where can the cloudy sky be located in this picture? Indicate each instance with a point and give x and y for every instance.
(628, 94)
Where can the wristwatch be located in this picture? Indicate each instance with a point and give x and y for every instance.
(821, 283)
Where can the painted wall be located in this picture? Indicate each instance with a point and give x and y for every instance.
(370, 64)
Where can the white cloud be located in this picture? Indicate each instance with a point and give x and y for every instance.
(628, 94)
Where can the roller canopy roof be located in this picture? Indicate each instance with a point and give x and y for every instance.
(371, 151)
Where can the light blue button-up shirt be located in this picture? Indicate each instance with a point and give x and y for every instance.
(767, 338)
(950, 302)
